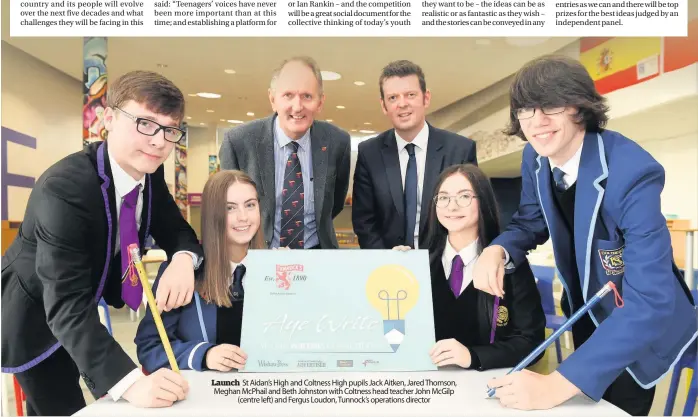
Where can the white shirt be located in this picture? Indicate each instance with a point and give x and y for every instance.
(124, 184)
(420, 153)
(570, 168)
(468, 254)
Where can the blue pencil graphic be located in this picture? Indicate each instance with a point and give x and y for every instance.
(565, 327)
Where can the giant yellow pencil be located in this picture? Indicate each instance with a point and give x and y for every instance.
(136, 260)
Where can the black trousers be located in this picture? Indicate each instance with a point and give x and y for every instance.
(53, 386)
(624, 392)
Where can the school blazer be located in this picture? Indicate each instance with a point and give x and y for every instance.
(620, 235)
(63, 261)
(509, 328)
(191, 330)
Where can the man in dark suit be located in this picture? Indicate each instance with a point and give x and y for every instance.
(300, 165)
(71, 251)
(396, 171)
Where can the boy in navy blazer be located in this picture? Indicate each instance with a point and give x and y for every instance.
(596, 194)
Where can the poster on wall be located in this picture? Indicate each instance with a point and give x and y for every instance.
(94, 89)
(213, 166)
(181, 177)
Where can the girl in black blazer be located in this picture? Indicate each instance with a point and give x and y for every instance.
(473, 329)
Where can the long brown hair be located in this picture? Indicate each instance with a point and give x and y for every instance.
(215, 286)
(488, 215)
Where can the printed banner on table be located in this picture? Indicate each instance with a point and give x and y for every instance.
(337, 310)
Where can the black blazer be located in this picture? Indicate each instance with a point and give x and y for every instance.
(378, 212)
(520, 325)
(62, 262)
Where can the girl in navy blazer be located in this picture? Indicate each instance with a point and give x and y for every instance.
(205, 334)
(473, 329)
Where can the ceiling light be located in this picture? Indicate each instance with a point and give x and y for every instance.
(202, 124)
(188, 117)
(229, 71)
(353, 130)
(367, 123)
(192, 95)
(249, 113)
(236, 121)
(359, 83)
(330, 76)
(208, 95)
(367, 131)
(341, 107)
(329, 120)
(209, 111)
(222, 120)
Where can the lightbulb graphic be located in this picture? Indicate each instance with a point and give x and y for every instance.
(392, 290)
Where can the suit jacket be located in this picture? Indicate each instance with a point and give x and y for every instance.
(250, 148)
(620, 235)
(378, 212)
(62, 262)
(502, 343)
(191, 330)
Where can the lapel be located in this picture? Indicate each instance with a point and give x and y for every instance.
(145, 213)
(391, 161)
(432, 170)
(592, 171)
(208, 313)
(109, 201)
(319, 152)
(265, 158)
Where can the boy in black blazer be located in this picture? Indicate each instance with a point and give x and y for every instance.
(82, 214)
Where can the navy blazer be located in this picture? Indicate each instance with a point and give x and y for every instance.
(191, 330)
(620, 235)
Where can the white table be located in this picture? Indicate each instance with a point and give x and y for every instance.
(469, 398)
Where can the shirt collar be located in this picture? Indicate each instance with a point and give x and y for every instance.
(282, 139)
(467, 254)
(571, 167)
(123, 183)
(420, 141)
(234, 265)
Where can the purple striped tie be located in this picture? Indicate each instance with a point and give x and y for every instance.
(131, 289)
(456, 278)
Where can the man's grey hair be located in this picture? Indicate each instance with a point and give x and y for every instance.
(307, 61)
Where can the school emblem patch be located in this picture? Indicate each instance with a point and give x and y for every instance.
(612, 261)
(502, 316)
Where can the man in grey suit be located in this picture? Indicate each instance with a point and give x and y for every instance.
(300, 165)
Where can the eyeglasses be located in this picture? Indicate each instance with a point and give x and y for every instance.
(151, 128)
(528, 112)
(463, 200)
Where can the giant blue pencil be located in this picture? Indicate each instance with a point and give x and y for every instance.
(565, 327)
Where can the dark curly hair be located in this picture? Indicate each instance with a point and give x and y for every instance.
(556, 81)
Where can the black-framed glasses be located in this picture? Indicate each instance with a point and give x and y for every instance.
(151, 128)
(528, 112)
(463, 200)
